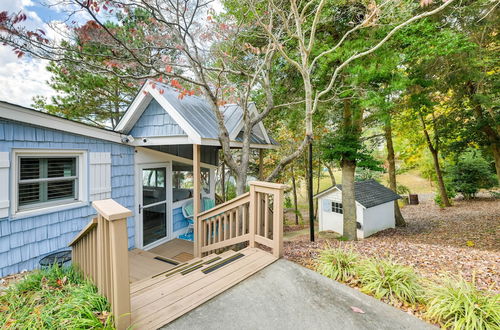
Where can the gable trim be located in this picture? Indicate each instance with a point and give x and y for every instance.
(135, 110)
(179, 119)
(253, 110)
(139, 105)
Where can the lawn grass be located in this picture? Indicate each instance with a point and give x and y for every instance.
(54, 298)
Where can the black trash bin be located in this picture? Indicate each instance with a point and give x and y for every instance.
(60, 257)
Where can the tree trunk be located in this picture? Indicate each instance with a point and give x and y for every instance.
(316, 203)
(241, 181)
(332, 176)
(490, 131)
(400, 221)
(348, 200)
(435, 156)
(495, 148)
(310, 192)
(223, 181)
(439, 174)
(294, 186)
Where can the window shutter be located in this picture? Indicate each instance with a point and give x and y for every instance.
(100, 175)
(4, 186)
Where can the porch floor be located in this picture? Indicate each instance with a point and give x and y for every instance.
(142, 264)
(158, 300)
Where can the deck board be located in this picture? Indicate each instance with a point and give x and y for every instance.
(164, 301)
(142, 264)
(175, 248)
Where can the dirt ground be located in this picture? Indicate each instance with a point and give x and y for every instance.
(463, 239)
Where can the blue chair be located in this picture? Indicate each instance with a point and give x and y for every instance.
(188, 213)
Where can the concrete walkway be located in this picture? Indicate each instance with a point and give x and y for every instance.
(285, 295)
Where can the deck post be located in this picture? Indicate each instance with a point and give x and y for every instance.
(252, 214)
(120, 273)
(196, 198)
(278, 223)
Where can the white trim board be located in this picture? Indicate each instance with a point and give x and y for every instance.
(135, 110)
(38, 118)
(83, 182)
(253, 111)
(235, 144)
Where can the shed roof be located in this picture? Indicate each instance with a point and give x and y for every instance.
(368, 193)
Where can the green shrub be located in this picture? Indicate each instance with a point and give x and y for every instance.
(386, 279)
(54, 298)
(403, 190)
(338, 264)
(458, 304)
(471, 173)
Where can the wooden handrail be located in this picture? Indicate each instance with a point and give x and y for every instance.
(246, 218)
(100, 251)
(91, 225)
(241, 199)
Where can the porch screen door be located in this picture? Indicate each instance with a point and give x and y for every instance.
(154, 201)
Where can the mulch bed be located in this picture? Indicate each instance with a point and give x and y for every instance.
(463, 239)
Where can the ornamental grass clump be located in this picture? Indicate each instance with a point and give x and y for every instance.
(386, 279)
(54, 298)
(338, 264)
(458, 304)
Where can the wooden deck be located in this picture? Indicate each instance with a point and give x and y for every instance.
(163, 297)
(143, 263)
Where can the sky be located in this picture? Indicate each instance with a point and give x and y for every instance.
(24, 78)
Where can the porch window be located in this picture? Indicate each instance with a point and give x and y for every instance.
(337, 207)
(47, 180)
(182, 181)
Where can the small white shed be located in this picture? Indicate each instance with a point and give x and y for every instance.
(374, 208)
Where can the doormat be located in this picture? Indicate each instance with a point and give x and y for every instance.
(183, 256)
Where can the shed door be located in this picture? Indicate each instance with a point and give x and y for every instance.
(154, 205)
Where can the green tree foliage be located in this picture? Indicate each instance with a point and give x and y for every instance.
(94, 96)
(471, 173)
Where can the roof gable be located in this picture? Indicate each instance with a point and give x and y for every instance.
(368, 193)
(155, 121)
(190, 117)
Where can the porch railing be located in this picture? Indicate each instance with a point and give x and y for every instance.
(256, 217)
(100, 251)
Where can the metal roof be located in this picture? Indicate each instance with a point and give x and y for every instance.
(198, 113)
(368, 193)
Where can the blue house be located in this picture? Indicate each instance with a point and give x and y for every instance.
(51, 169)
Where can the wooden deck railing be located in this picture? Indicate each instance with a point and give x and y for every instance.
(100, 251)
(256, 217)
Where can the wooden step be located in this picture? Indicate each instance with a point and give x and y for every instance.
(165, 301)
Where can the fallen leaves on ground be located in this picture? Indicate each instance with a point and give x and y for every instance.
(436, 242)
(357, 310)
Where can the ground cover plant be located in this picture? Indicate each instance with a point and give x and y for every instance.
(458, 304)
(338, 264)
(386, 279)
(54, 298)
(453, 303)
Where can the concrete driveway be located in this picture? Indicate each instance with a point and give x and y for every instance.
(285, 295)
